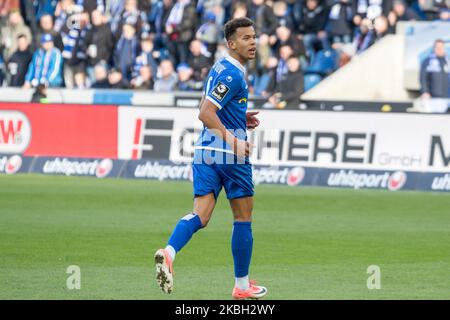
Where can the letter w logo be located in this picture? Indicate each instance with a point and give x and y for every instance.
(8, 131)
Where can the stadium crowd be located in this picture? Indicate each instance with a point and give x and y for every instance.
(167, 45)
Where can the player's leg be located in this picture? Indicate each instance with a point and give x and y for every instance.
(239, 188)
(206, 189)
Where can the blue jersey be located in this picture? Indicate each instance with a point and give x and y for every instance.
(226, 88)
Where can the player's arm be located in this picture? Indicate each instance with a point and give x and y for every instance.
(208, 115)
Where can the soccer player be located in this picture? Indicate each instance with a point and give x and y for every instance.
(221, 159)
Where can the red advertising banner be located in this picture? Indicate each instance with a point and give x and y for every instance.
(84, 131)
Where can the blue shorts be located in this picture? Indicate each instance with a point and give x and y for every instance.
(236, 178)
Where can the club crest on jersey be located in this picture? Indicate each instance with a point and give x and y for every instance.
(220, 91)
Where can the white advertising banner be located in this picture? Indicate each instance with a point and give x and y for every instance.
(358, 140)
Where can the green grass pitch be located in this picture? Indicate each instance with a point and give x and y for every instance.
(309, 243)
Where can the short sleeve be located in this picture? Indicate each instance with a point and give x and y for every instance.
(224, 89)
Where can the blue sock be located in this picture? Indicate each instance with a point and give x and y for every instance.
(241, 247)
(186, 227)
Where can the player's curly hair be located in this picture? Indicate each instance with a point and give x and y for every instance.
(232, 25)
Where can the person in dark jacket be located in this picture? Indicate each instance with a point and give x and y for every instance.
(291, 86)
(46, 25)
(17, 65)
(339, 25)
(99, 43)
(435, 73)
(180, 27)
(312, 25)
(265, 20)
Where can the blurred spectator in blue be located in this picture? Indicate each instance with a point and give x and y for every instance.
(444, 15)
(262, 83)
(185, 80)
(284, 18)
(126, 51)
(100, 77)
(9, 33)
(99, 43)
(146, 57)
(262, 14)
(403, 12)
(312, 25)
(166, 77)
(209, 33)
(284, 37)
(370, 9)
(339, 25)
(116, 80)
(33, 10)
(157, 17)
(46, 25)
(217, 7)
(144, 80)
(363, 36)
(2, 72)
(435, 73)
(72, 22)
(180, 27)
(432, 8)
(288, 90)
(257, 68)
(46, 65)
(199, 63)
(133, 16)
(17, 65)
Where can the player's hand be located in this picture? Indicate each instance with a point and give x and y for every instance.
(242, 148)
(252, 120)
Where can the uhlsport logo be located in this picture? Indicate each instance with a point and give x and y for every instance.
(104, 168)
(15, 132)
(351, 179)
(397, 180)
(10, 165)
(94, 168)
(295, 176)
(273, 175)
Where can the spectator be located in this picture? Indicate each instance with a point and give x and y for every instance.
(239, 10)
(2, 72)
(369, 9)
(444, 15)
(402, 12)
(6, 6)
(9, 33)
(180, 28)
(46, 25)
(364, 36)
(99, 43)
(209, 33)
(167, 79)
(17, 65)
(312, 25)
(131, 15)
(290, 87)
(280, 9)
(285, 37)
(34, 10)
(435, 73)
(46, 65)
(100, 77)
(158, 15)
(339, 27)
(198, 62)
(263, 81)
(146, 57)
(263, 16)
(116, 80)
(126, 51)
(143, 81)
(185, 80)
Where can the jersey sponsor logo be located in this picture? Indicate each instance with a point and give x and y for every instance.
(244, 100)
(220, 91)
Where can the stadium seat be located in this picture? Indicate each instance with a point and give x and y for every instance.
(311, 80)
(324, 62)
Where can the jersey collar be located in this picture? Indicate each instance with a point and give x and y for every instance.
(236, 63)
